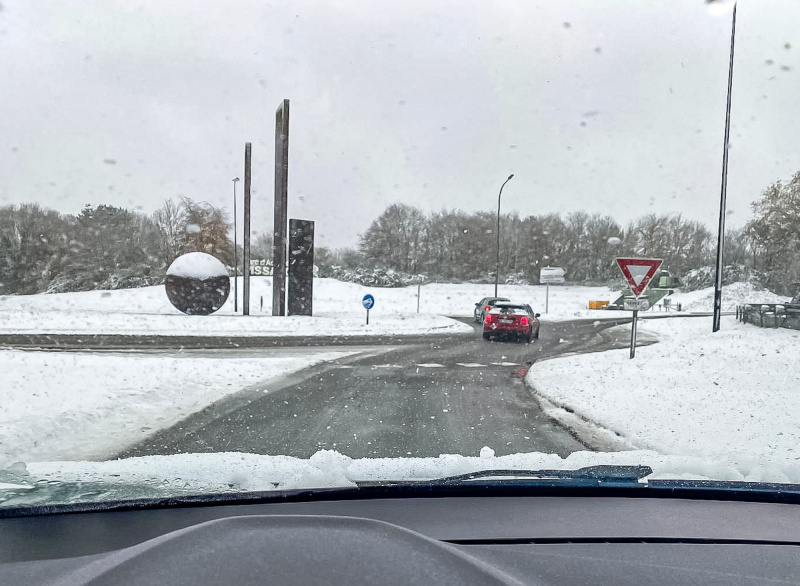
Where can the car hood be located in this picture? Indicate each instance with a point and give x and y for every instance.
(47, 483)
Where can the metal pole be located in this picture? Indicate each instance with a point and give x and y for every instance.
(547, 300)
(497, 268)
(246, 296)
(633, 333)
(235, 260)
(419, 287)
(723, 195)
(280, 241)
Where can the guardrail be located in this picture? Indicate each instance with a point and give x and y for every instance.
(770, 315)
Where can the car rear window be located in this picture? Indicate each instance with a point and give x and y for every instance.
(510, 308)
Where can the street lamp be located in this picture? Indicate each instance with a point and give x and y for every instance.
(723, 195)
(497, 271)
(235, 259)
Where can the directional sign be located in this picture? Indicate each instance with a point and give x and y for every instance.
(368, 301)
(553, 275)
(638, 272)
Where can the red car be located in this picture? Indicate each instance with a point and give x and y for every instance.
(511, 319)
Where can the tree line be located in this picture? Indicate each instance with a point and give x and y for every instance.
(103, 247)
(108, 247)
(450, 245)
(455, 245)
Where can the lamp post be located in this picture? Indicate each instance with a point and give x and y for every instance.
(723, 195)
(235, 259)
(497, 268)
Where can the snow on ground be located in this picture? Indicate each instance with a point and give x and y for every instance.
(337, 309)
(695, 405)
(731, 397)
(56, 405)
(337, 312)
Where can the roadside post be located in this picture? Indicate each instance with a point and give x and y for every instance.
(638, 272)
(419, 289)
(368, 302)
(550, 275)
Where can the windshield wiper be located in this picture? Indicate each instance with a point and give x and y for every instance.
(603, 475)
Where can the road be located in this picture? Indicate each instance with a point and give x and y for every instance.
(453, 395)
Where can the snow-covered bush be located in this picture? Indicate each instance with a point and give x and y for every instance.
(703, 277)
(516, 279)
(378, 277)
(119, 279)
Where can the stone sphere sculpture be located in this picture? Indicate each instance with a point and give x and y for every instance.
(197, 283)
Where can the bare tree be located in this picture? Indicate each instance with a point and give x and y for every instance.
(170, 221)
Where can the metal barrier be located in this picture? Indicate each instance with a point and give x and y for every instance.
(770, 315)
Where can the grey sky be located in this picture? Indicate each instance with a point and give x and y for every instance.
(609, 106)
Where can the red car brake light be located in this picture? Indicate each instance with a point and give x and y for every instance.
(489, 317)
(524, 321)
(488, 308)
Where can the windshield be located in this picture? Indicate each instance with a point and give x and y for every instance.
(261, 246)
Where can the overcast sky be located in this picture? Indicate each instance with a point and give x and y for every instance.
(611, 106)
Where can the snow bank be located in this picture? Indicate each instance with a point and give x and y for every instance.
(732, 396)
(732, 295)
(56, 405)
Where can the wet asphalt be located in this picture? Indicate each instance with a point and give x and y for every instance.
(451, 395)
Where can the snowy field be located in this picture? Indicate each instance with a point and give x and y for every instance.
(337, 309)
(731, 397)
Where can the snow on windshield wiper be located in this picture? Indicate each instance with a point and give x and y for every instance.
(592, 475)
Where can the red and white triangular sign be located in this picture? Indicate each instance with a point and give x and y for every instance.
(638, 272)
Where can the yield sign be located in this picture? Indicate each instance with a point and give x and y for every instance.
(638, 272)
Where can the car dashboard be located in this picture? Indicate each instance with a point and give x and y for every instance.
(374, 536)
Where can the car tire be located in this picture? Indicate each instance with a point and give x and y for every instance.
(485, 336)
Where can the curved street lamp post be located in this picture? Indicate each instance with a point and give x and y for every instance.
(497, 268)
(235, 259)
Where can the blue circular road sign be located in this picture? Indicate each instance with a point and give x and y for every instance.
(368, 301)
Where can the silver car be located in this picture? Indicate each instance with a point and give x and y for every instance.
(484, 306)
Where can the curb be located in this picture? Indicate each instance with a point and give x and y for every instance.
(166, 342)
